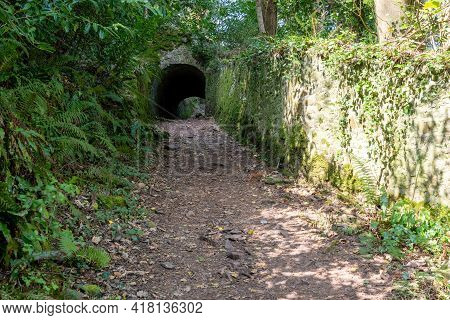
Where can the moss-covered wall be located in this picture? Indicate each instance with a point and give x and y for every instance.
(323, 110)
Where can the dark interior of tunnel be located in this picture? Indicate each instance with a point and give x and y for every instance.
(177, 83)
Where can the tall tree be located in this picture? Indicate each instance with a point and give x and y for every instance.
(267, 13)
(389, 13)
(260, 15)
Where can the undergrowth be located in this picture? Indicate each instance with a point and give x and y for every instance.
(75, 127)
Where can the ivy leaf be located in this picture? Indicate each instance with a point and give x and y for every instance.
(87, 28)
(432, 4)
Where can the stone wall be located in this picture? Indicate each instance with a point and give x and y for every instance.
(295, 114)
(180, 55)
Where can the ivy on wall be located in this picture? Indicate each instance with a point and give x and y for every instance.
(383, 88)
(380, 87)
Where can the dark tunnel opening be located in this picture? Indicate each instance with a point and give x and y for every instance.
(178, 82)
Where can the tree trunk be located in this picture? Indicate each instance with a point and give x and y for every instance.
(270, 17)
(260, 15)
(267, 13)
(389, 13)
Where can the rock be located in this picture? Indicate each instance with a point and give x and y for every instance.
(228, 245)
(235, 237)
(268, 202)
(246, 273)
(141, 185)
(142, 294)
(190, 214)
(419, 263)
(284, 233)
(190, 247)
(263, 221)
(172, 147)
(208, 240)
(96, 240)
(156, 211)
(168, 265)
(177, 294)
(111, 202)
(233, 255)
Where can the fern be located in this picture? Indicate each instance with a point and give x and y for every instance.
(106, 176)
(68, 129)
(367, 177)
(95, 256)
(73, 148)
(7, 202)
(75, 113)
(67, 243)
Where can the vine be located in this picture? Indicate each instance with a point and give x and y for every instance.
(383, 87)
(378, 87)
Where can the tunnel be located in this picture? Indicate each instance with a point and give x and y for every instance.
(178, 82)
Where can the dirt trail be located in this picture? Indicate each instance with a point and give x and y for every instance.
(223, 233)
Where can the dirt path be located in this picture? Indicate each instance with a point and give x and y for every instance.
(222, 233)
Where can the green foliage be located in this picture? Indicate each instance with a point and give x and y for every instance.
(325, 18)
(403, 226)
(407, 224)
(111, 202)
(29, 213)
(425, 24)
(92, 290)
(383, 87)
(67, 243)
(75, 82)
(424, 285)
(367, 180)
(97, 257)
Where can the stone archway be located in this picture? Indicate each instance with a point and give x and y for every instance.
(181, 77)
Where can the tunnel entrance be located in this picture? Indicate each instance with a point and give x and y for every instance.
(178, 82)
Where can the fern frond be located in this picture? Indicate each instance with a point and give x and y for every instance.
(95, 256)
(75, 112)
(68, 129)
(367, 177)
(67, 243)
(73, 148)
(7, 202)
(105, 175)
(100, 136)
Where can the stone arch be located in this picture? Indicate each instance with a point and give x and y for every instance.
(181, 77)
(178, 82)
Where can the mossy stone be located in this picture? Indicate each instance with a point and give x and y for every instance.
(110, 202)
